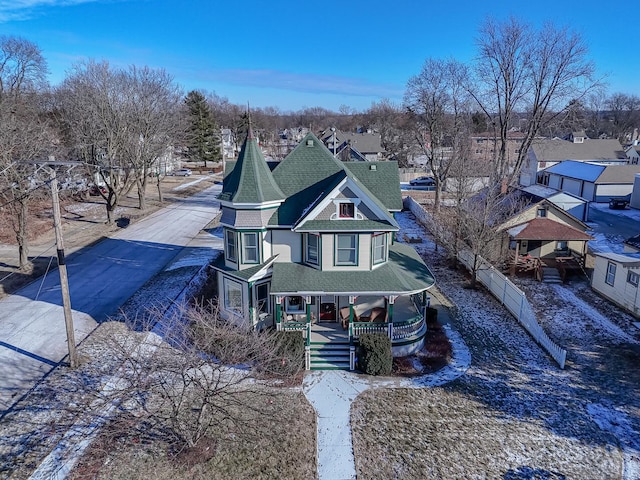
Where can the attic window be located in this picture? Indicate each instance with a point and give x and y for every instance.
(542, 212)
(309, 143)
(346, 210)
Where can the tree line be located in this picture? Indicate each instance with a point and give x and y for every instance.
(115, 123)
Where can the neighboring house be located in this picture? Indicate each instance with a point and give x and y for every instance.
(633, 154)
(576, 206)
(364, 146)
(310, 247)
(632, 244)
(541, 230)
(545, 153)
(617, 277)
(593, 182)
(485, 145)
(634, 201)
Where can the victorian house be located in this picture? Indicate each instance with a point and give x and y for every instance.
(311, 247)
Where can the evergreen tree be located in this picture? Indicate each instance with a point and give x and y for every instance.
(203, 135)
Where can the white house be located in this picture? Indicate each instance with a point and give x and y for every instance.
(594, 182)
(545, 153)
(617, 277)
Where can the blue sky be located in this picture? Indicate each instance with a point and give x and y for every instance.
(293, 55)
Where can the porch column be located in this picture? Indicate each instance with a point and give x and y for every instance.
(278, 312)
(515, 258)
(352, 299)
(307, 300)
(392, 300)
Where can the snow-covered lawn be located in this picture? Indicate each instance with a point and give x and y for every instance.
(514, 414)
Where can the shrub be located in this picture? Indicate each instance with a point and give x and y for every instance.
(375, 356)
(290, 346)
(432, 316)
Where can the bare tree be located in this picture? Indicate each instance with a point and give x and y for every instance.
(395, 133)
(438, 99)
(24, 131)
(119, 122)
(625, 115)
(203, 377)
(152, 102)
(537, 72)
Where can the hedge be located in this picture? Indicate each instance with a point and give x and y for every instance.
(374, 354)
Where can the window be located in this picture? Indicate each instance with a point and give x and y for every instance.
(346, 210)
(346, 249)
(250, 252)
(312, 249)
(379, 248)
(542, 212)
(562, 245)
(479, 140)
(262, 297)
(232, 296)
(294, 305)
(633, 278)
(611, 274)
(230, 249)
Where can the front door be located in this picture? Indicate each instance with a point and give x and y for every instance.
(327, 309)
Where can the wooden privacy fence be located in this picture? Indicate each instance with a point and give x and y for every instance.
(504, 290)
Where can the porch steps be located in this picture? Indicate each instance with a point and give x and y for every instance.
(330, 356)
(551, 275)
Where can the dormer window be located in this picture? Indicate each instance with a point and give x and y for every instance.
(346, 210)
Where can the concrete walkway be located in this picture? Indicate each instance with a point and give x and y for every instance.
(332, 392)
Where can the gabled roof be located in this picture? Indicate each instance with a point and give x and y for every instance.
(588, 172)
(626, 260)
(600, 174)
(555, 150)
(546, 229)
(310, 172)
(250, 181)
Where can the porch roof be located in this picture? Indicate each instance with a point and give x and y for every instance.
(403, 274)
(547, 229)
(248, 274)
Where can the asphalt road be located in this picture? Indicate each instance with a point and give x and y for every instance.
(101, 278)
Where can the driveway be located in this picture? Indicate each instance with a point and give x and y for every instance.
(613, 223)
(101, 279)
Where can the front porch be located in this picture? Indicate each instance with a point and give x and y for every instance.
(331, 340)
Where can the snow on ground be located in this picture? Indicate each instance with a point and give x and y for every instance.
(512, 374)
(632, 213)
(190, 184)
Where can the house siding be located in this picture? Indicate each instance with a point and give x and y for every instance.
(605, 192)
(364, 254)
(621, 292)
(287, 245)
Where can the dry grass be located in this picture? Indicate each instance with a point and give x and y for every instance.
(438, 433)
(282, 445)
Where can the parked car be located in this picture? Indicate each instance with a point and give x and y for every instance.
(182, 172)
(423, 181)
(95, 190)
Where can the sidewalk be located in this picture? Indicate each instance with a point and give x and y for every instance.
(332, 392)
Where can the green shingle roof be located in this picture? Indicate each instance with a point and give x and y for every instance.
(383, 179)
(310, 171)
(246, 274)
(343, 225)
(251, 180)
(403, 274)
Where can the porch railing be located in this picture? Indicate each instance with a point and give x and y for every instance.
(358, 328)
(407, 328)
(293, 326)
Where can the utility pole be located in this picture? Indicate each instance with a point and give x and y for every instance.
(62, 269)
